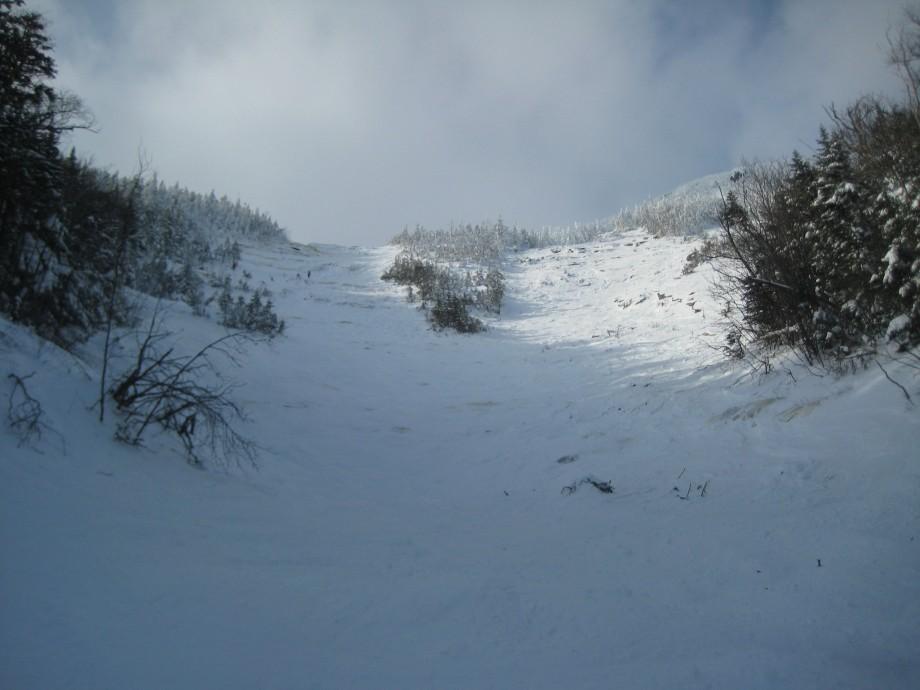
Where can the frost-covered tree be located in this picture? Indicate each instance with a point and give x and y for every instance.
(823, 255)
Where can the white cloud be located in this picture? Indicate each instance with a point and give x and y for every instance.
(347, 121)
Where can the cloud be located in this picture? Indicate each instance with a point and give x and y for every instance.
(347, 121)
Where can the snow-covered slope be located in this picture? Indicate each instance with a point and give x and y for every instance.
(423, 516)
(689, 209)
(706, 186)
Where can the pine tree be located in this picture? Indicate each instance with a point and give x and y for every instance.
(39, 281)
(840, 234)
(28, 157)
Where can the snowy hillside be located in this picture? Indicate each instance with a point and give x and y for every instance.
(686, 210)
(586, 495)
(690, 208)
(707, 186)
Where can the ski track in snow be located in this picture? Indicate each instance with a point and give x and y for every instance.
(408, 525)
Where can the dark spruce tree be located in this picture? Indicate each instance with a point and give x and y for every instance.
(28, 154)
(40, 282)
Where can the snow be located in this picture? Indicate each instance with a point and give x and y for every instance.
(898, 325)
(893, 259)
(407, 526)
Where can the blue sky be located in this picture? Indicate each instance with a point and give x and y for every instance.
(348, 120)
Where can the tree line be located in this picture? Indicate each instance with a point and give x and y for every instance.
(80, 247)
(74, 237)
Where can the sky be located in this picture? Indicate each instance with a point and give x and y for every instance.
(348, 120)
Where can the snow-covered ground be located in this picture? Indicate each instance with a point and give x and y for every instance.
(421, 517)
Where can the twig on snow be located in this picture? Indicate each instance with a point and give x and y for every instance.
(903, 389)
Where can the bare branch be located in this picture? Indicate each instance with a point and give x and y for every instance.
(170, 391)
(24, 412)
(887, 376)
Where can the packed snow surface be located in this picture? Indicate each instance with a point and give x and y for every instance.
(428, 513)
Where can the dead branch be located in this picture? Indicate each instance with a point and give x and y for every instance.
(24, 412)
(887, 376)
(185, 396)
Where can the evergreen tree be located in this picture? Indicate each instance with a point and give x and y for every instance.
(839, 235)
(28, 158)
(41, 279)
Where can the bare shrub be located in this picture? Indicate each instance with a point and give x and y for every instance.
(24, 413)
(185, 396)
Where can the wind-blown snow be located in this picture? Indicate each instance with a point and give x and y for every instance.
(408, 526)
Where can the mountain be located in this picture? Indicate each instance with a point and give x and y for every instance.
(587, 495)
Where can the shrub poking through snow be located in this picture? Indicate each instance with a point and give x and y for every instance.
(451, 271)
(444, 296)
(24, 413)
(410, 270)
(183, 395)
(450, 311)
(256, 315)
(821, 255)
(448, 291)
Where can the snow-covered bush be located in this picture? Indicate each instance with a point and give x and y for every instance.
(823, 254)
(451, 271)
(444, 295)
(256, 315)
(410, 270)
(487, 289)
(700, 255)
(450, 310)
